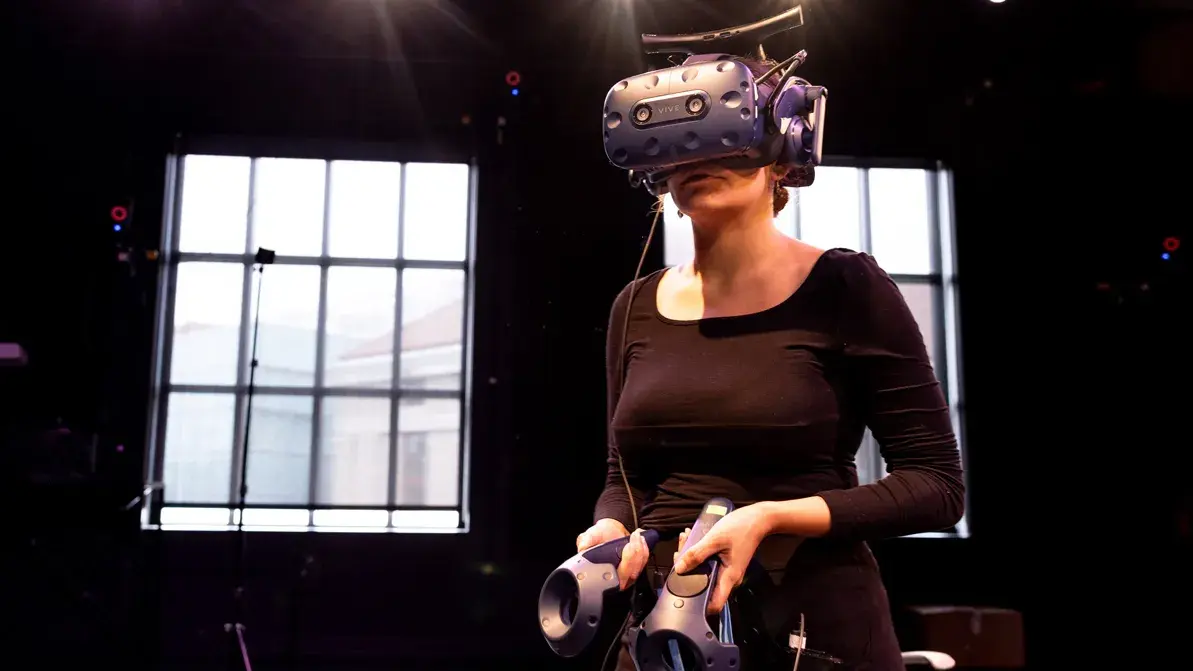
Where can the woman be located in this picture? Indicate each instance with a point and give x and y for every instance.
(752, 373)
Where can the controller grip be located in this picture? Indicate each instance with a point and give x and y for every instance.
(609, 552)
(713, 511)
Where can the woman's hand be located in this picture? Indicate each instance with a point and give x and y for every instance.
(735, 537)
(633, 556)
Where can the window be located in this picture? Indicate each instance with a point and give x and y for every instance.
(412, 466)
(903, 217)
(373, 259)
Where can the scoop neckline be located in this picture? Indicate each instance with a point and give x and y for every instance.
(658, 278)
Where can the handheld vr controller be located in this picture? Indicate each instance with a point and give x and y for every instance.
(676, 635)
(712, 107)
(573, 597)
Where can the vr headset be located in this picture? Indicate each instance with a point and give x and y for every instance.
(712, 107)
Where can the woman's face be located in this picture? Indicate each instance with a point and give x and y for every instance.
(709, 191)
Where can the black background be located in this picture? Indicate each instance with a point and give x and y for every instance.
(1065, 124)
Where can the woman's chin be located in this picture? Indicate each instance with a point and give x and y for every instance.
(710, 209)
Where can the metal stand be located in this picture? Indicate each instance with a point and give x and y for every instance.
(239, 652)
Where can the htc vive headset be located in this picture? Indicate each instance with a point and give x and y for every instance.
(712, 107)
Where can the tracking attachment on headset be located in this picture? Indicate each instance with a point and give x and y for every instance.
(676, 635)
(713, 107)
(573, 597)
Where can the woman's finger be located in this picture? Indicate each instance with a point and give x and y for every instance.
(590, 537)
(633, 559)
(625, 565)
(727, 581)
(683, 537)
(641, 558)
(720, 593)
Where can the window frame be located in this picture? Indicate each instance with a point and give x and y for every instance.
(400, 518)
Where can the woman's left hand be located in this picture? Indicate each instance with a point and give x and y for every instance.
(735, 537)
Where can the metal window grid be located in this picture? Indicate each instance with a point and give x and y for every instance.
(162, 388)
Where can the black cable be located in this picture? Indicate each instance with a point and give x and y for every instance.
(616, 639)
(788, 67)
(796, 61)
(801, 55)
(625, 332)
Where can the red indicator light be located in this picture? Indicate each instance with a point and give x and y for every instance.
(1172, 244)
(119, 213)
(513, 78)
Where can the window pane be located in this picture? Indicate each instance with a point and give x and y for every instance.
(364, 209)
(207, 302)
(354, 451)
(198, 450)
(785, 220)
(830, 210)
(428, 465)
(436, 217)
(920, 297)
(868, 460)
(215, 204)
(432, 328)
(289, 319)
(288, 206)
(279, 449)
(360, 327)
(899, 220)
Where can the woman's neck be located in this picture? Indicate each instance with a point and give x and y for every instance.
(729, 252)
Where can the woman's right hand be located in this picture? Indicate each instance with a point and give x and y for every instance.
(633, 557)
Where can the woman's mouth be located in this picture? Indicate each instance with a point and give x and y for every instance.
(696, 177)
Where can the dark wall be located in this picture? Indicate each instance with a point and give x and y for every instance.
(1066, 151)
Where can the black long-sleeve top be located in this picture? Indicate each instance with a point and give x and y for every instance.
(773, 406)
